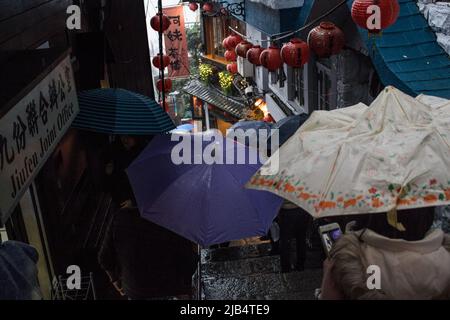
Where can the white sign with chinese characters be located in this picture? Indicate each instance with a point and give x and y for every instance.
(30, 131)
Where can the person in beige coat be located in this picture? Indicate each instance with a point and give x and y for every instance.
(413, 264)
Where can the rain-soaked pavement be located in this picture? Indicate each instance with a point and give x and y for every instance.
(251, 273)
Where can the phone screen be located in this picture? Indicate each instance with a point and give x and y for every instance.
(330, 237)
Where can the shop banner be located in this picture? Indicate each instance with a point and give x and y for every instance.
(30, 131)
(175, 41)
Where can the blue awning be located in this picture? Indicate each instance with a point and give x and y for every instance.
(119, 111)
(408, 56)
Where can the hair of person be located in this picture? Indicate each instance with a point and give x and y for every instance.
(417, 223)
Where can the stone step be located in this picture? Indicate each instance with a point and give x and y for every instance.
(259, 265)
(262, 286)
(235, 253)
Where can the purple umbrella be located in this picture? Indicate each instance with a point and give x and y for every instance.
(205, 203)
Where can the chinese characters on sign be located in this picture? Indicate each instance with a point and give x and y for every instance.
(30, 131)
(176, 43)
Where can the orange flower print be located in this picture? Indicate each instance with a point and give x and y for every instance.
(350, 203)
(289, 187)
(304, 196)
(430, 198)
(376, 203)
(403, 202)
(327, 205)
(340, 199)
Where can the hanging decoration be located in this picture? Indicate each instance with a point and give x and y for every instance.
(234, 40)
(242, 48)
(271, 58)
(326, 40)
(157, 61)
(232, 68)
(226, 44)
(253, 55)
(208, 7)
(167, 85)
(295, 53)
(269, 118)
(193, 6)
(230, 55)
(156, 22)
(366, 18)
(224, 8)
(164, 105)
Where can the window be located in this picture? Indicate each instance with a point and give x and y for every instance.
(327, 90)
(296, 85)
(217, 29)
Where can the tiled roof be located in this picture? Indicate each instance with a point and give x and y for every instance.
(408, 56)
(216, 98)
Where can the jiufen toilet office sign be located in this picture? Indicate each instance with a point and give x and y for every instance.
(30, 131)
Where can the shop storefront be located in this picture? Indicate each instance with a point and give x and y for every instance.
(32, 125)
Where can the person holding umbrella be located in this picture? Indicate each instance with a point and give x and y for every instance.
(413, 264)
(380, 161)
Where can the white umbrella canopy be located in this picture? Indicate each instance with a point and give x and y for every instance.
(394, 154)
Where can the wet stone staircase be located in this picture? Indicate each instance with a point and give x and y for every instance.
(251, 273)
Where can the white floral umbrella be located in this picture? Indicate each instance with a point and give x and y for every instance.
(394, 154)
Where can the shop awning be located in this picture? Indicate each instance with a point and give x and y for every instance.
(215, 97)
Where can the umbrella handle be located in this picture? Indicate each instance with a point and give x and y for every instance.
(199, 273)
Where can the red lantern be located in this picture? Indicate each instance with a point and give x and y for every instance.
(208, 7)
(234, 40)
(253, 55)
(242, 48)
(164, 105)
(156, 22)
(230, 55)
(271, 58)
(389, 11)
(157, 61)
(167, 85)
(232, 68)
(326, 40)
(269, 118)
(226, 44)
(295, 53)
(193, 6)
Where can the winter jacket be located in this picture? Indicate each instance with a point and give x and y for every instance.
(408, 269)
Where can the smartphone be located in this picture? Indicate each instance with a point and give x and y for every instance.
(329, 234)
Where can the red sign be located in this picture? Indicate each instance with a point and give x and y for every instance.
(176, 43)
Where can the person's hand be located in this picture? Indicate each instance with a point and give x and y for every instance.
(329, 288)
(109, 168)
(126, 204)
(119, 288)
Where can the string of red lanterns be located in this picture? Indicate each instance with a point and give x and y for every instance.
(324, 40)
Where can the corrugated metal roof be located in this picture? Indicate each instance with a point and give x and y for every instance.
(408, 56)
(216, 98)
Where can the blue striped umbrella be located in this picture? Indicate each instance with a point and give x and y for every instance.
(119, 111)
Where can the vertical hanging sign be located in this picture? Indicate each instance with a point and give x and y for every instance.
(176, 43)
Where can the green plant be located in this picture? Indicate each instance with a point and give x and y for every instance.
(226, 81)
(206, 71)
